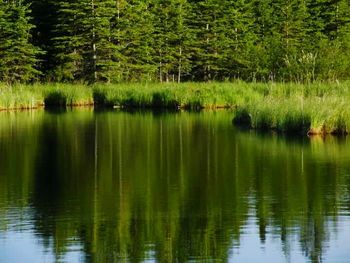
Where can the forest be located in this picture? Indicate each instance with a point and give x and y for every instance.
(112, 41)
(201, 129)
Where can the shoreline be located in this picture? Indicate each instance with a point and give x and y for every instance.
(290, 108)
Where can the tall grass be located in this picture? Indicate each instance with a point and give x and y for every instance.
(20, 97)
(313, 109)
(34, 96)
(317, 108)
(142, 95)
(185, 95)
(66, 95)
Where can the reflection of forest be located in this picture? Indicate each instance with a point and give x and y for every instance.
(174, 187)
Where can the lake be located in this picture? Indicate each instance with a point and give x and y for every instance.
(114, 186)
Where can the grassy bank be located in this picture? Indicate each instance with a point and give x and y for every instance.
(35, 96)
(292, 108)
(186, 95)
(318, 108)
(20, 97)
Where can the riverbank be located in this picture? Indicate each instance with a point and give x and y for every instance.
(193, 96)
(299, 109)
(319, 108)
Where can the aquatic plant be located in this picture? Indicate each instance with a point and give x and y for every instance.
(315, 108)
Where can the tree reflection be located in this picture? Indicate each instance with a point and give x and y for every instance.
(173, 187)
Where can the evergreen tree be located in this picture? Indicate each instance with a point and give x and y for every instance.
(83, 40)
(174, 40)
(103, 60)
(333, 62)
(293, 31)
(204, 24)
(260, 55)
(119, 40)
(135, 40)
(69, 41)
(44, 18)
(172, 35)
(235, 39)
(222, 38)
(17, 54)
(281, 27)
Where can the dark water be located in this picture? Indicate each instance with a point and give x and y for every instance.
(143, 187)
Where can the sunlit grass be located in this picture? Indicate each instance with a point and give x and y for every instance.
(20, 97)
(66, 95)
(317, 108)
(313, 109)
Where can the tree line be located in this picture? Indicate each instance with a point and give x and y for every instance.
(174, 40)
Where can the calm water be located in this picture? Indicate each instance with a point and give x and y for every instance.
(87, 186)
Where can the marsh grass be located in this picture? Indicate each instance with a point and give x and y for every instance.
(50, 95)
(169, 95)
(66, 95)
(318, 108)
(19, 97)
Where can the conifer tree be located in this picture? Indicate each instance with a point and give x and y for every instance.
(83, 40)
(333, 59)
(172, 35)
(103, 60)
(44, 18)
(204, 24)
(174, 40)
(68, 40)
(260, 52)
(293, 31)
(235, 38)
(17, 54)
(135, 40)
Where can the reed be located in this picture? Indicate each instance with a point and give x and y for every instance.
(66, 95)
(317, 108)
(19, 97)
(170, 95)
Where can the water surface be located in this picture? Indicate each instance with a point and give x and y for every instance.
(85, 186)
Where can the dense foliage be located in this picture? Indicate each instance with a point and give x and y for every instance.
(174, 40)
(17, 54)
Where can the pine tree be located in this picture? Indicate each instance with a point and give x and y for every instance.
(118, 38)
(135, 41)
(333, 62)
(83, 40)
(174, 40)
(222, 38)
(17, 54)
(171, 34)
(260, 52)
(293, 31)
(44, 22)
(68, 40)
(104, 61)
(282, 29)
(203, 24)
(235, 39)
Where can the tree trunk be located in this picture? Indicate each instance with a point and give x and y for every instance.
(180, 65)
(94, 52)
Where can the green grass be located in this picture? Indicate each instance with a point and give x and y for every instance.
(38, 95)
(318, 108)
(186, 95)
(292, 108)
(20, 97)
(66, 95)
